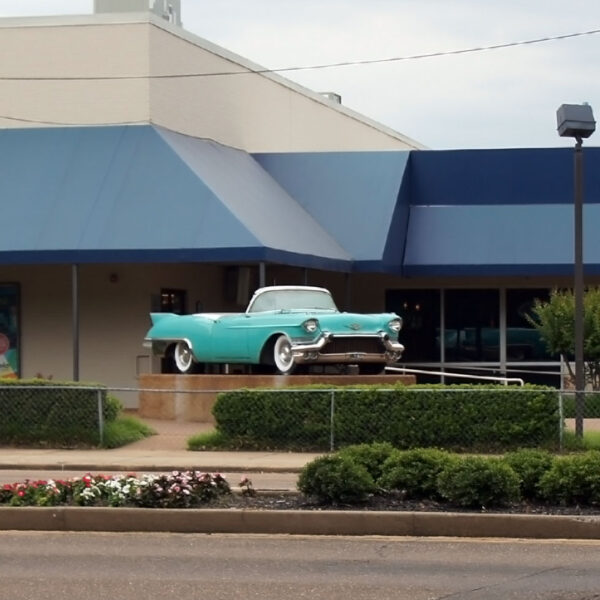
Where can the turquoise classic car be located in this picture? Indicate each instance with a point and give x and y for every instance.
(284, 329)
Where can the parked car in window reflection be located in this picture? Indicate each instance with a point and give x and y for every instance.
(483, 343)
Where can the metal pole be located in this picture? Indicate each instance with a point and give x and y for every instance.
(75, 327)
(100, 418)
(578, 292)
(262, 274)
(332, 422)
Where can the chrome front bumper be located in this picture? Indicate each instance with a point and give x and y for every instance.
(312, 352)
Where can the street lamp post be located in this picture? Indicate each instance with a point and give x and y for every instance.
(577, 121)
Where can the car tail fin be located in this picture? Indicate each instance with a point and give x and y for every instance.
(156, 317)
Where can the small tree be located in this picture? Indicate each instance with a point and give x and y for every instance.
(555, 321)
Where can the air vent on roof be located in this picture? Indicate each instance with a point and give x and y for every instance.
(169, 10)
(332, 96)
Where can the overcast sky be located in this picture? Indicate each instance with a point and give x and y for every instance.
(490, 99)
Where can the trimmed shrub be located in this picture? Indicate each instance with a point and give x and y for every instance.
(530, 465)
(53, 413)
(573, 479)
(336, 479)
(415, 472)
(481, 418)
(370, 456)
(474, 481)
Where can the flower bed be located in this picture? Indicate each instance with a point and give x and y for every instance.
(178, 489)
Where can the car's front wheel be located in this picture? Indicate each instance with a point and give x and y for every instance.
(184, 359)
(282, 355)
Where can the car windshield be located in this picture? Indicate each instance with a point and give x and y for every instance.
(292, 300)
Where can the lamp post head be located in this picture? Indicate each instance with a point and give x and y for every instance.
(575, 120)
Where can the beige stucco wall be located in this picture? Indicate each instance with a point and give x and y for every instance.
(33, 48)
(255, 112)
(114, 316)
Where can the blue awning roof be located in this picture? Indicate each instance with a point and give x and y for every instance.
(139, 193)
(485, 240)
(354, 195)
(499, 212)
(145, 194)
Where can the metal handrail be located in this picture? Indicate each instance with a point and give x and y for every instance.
(504, 380)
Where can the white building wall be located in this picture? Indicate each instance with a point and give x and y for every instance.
(254, 112)
(76, 49)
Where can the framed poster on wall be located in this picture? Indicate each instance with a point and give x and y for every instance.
(10, 358)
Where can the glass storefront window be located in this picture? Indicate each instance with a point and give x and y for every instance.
(420, 311)
(523, 342)
(472, 326)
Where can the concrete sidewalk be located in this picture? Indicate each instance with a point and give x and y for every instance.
(163, 452)
(131, 459)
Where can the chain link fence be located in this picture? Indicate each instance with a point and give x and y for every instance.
(309, 419)
(55, 415)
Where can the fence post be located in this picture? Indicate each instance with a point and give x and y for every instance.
(331, 422)
(100, 417)
(561, 420)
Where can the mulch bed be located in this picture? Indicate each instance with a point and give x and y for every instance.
(292, 501)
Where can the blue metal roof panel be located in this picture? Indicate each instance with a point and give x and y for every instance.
(124, 193)
(352, 194)
(502, 177)
(500, 239)
(274, 217)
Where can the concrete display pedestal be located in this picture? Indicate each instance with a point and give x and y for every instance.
(191, 397)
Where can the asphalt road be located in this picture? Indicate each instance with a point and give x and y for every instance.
(103, 566)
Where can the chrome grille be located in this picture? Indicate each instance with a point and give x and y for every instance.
(342, 345)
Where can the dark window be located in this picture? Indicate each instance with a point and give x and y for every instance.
(523, 342)
(472, 332)
(173, 301)
(420, 311)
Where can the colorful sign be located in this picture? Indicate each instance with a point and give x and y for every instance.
(9, 330)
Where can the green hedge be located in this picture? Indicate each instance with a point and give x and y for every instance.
(532, 477)
(468, 417)
(42, 412)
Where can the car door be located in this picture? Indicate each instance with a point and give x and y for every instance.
(230, 338)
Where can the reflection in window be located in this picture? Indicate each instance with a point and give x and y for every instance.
(172, 301)
(472, 325)
(420, 311)
(523, 342)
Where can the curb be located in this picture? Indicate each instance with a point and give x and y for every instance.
(127, 467)
(246, 521)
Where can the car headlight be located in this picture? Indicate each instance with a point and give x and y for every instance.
(310, 325)
(395, 324)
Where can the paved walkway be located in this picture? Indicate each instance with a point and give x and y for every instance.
(165, 451)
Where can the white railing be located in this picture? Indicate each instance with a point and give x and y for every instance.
(504, 380)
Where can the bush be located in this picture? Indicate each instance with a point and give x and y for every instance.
(53, 413)
(209, 440)
(573, 479)
(125, 430)
(530, 465)
(370, 456)
(335, 479)
(482, 418)
(474, 481)
(414, 472)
